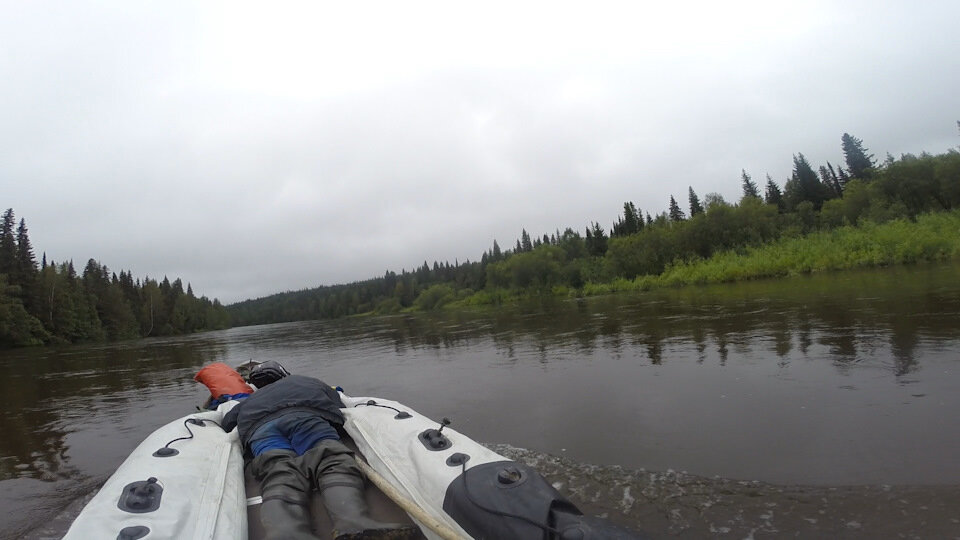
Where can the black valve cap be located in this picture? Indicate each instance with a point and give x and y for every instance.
(166, 452)
(509, 475)
(133, 533)
(457, 459)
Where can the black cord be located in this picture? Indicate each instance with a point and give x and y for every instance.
(195, 421)
(375, 404)
(545, 528)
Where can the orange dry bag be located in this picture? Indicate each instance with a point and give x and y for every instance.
(222, 379)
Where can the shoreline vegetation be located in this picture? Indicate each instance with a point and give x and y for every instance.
(932, 237)
(864, 214)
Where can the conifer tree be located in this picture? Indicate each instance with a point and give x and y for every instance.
(695, 206)
(497, 254)
(525, 245)
(26, 268)
(26, 262)
(838, 182)
(750, 188)
(8, 245)
(829, 179)
(804, 185)
(596, 240)
(630, 223)
(773, 195)
(859, 162)
(675, 213)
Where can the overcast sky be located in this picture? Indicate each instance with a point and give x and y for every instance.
(254, 150)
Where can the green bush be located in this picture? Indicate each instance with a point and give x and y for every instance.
(435, 297)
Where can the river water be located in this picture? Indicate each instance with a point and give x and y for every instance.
(819, 406)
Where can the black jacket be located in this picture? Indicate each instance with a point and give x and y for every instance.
(293, 392)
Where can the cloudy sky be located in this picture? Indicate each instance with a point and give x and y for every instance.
(271, 147)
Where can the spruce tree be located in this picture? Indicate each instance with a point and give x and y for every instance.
(838, 185)
(8, 246)
(695, 206)
(830, 181)
(596, 240)
(804, 185)
(675, 213)
(859, 162)
(750, 188)
(773, 195)
(525, 245)
(630, 223)
(26, 261)
(26, 271)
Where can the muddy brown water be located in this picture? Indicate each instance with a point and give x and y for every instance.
(813, 406)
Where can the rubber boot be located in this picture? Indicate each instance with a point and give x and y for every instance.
(285, 513)
(351, 518)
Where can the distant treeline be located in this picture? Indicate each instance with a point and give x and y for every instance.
(50, 303)
(640, 245)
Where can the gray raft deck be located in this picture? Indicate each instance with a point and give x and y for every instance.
(381, 507)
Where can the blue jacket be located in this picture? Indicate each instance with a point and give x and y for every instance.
(293, 392)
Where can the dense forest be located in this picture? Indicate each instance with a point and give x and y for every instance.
(856, 195)
(49, 303)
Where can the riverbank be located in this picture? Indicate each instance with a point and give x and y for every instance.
(932, 237)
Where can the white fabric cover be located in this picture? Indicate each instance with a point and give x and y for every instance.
(203, 487)
(392, 448)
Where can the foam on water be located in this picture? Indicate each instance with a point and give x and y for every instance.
(670, 503)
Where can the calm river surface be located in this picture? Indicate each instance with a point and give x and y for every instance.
(734, 409)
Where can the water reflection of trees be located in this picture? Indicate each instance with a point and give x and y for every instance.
(842, 318)
(42, 387)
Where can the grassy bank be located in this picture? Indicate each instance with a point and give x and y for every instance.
(932, 237)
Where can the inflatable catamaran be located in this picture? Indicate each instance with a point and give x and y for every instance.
(187, 480)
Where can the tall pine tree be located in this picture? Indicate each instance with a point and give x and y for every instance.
(26, 271)
(676, 214)
(8, 245)
(695, 206)
(596, 240)
(773, 195)
(525, 243)
(750, 188)
(804, 185)
(859, 162)
(630, 223)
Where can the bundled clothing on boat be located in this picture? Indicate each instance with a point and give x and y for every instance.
(224, 384)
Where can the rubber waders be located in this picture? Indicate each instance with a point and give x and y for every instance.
(351, 518)
(285, 513)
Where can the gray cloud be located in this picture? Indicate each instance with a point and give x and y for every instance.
(253, 152)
